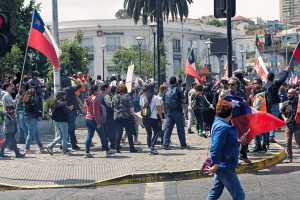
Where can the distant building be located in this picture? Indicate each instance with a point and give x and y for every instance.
(289, 11)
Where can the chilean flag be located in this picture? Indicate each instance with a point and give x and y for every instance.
(41, 40)
(295, 58)
(190, 68)
(246, 118)
(260, 67)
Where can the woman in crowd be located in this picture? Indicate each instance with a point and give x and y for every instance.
(31, 115)
(123, 111)
(162, 89)
(60, 118)
(224, 153)
(92, 109)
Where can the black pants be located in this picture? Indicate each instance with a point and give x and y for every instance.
(11, 141)
(200, 122)
(244, 150)
(152, 124)
(110, 130)
(120, 124)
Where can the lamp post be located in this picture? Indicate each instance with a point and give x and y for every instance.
(103, 47)
(140, 42)
(233, 62)
(208, 44)
(242, 54)
(153, 27)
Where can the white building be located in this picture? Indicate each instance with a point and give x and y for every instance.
(179, 38)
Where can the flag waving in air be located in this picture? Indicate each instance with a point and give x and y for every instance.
(190, 68)
(41, 40)
(295, 58)
(246, 118)
(258, 44)
(260, 67)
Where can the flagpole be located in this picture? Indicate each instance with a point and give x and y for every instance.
(23, 67)
(56, 73)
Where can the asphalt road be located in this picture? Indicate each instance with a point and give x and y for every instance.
(280, 182)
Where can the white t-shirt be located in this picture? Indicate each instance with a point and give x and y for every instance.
(154, 103)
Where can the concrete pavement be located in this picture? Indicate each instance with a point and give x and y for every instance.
(45, 171)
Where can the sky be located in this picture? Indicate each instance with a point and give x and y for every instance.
(70, 10)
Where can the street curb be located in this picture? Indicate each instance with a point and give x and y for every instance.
(161, 176)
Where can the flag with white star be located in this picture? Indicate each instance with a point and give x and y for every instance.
(41, 39)
(190, 68)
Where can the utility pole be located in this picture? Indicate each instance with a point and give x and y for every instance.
(56, 37)
(229, 37)
(158, 39)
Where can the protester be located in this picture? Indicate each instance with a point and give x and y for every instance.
(224, 155)
(196, 101)
(135, 100)
(36, 84)
(93, 111)
(272, 86)
(20, 113)
(31, 115)
(10, 129)
(60, 118)
(7, 99)
(191, 114)
(288, 112)
(172, 100)
(123, 111)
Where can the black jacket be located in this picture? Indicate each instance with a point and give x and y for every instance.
(273, 87)
(289, 110)
(60, 111)
(71, 97)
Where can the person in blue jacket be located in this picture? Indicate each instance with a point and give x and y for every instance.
(224, 154)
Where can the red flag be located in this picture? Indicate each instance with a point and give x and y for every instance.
(258, 44)
(190, 68)
(41, 40)
(296, 57)
(260, 67)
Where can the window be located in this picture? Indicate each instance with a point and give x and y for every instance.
(177, 66)
(112, 43)
(88, 43)
(176, 45)
(91, 68)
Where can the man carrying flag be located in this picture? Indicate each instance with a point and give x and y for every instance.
(41, 40)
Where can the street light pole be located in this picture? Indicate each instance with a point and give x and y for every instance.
(242, 54)
(153, 27)
(158, 4)
(103, 49)
(140, 41)
(208, 44)
(56, 37)
(229, 37)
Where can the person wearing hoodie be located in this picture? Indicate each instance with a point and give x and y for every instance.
(93, 111)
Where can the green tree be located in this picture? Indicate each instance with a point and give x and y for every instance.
(74, 56)
(10, 62)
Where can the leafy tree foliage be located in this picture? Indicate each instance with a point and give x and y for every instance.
(10, 62)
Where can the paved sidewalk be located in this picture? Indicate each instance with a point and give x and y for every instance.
(43, 170)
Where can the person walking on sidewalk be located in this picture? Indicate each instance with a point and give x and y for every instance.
(93, 111)
(10, 129)
(224, 154)
(191, 114)
(123, 111)
(288, 112)
(152, 116)
(60, 118)
(172, 100)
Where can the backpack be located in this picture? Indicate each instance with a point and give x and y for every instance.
(146, 110)
(172, 98)
(103, 114)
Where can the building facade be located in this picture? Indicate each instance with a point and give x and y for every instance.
(289, 11)
(179, 39)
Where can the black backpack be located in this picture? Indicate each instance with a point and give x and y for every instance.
(146, 110)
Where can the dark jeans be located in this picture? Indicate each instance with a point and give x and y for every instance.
(174, 117)
(71, 127)
(264, 137)
(228, 178)
(120, 124)
(152, 124)
(200, 123)
(11, 141)
(288, 139)
(92, 127)
(22, 127)
(243, 151)
(110, 130)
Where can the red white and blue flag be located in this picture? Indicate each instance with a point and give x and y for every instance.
(41, 40)
(190, 67)
(295, 58)
(246, 118)
(260, 67)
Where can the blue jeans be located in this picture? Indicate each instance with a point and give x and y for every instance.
(71, 127)
(264, 137)
(228, 178)
(275, 112)
(32, 127)
(92, 127)
(9, 140)
(174, 117)
(61, 128)
(22, 127)
(110, 130)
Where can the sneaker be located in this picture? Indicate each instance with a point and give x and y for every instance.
(257, 148)
(20, 155)
(166, 147)
(88, 155)
(41, 150)
(246, 160)
(190, 131)
(186, 147)
(264, 148)
(67, 152)
(133, 150)
(76, 148)
(272, 140)
(288, 159)
(110, 152)
(50, 150)
(152, 151)
(137, 142)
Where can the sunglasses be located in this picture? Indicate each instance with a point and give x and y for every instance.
(224, 82)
